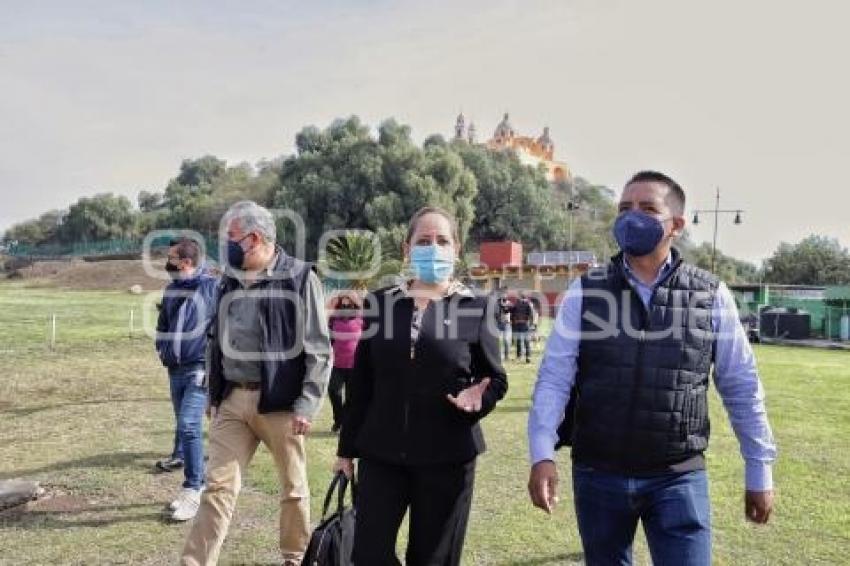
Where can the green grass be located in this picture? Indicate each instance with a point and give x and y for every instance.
(89, 419)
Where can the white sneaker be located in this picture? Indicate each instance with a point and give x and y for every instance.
(187, 505)
(183, 493)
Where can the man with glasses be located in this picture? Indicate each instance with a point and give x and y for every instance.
(269, 364)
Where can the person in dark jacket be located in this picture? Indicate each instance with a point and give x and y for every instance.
(187, 307)
(522, 318)
(269, 362)
(427, 369)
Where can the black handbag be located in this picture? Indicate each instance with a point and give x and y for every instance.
(333, 538)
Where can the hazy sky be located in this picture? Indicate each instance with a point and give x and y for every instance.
(748, 96)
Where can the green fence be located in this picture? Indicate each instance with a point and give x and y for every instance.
(104, 247)
(115, 246)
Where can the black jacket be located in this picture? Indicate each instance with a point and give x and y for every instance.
(522, 313)
(396, 408)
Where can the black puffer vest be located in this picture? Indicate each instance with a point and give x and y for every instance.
(642, 381)
(281, 315)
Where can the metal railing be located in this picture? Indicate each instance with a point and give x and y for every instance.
(560, 258)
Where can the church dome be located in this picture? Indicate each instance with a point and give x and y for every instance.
(504, 129)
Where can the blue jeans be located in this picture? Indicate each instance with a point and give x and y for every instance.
(505, 340)
(522, 340)
(674, 509)
(189, 397)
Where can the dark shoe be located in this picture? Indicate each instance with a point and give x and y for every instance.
(169, 464)
(335, 428)
(528, 360)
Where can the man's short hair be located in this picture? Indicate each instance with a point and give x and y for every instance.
(676, 193)
(253, 218)
(187, 248)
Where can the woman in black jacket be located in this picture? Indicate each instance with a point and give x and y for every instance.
(426, 371)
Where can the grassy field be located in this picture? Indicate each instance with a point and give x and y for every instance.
(89, 418)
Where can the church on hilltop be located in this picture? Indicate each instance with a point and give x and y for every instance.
(530, 151)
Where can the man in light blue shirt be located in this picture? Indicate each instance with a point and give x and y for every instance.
(634, 344)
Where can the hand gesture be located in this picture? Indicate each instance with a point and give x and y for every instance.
(469, 400)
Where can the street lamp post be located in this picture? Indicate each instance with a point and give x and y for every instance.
(572, 207)
(717, 212)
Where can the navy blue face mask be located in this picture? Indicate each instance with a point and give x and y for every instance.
(638, 233)
(235, 253)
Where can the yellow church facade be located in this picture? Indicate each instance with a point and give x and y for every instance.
(530, 151)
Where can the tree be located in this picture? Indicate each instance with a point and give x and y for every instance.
(41, 230)
(200, 207)
(512, 198)
(201, 171)
(100, 217)
(148, 201)
(729, 269)
(592, 219)
(816, 260)
(343, 177)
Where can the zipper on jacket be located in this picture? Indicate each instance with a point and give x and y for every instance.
(638, 378)
(406, 421)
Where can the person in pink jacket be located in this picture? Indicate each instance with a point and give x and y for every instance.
(346, 326)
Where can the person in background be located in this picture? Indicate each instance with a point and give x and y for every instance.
(635, 343)
(187, 307)
(534, 327)
(269, 362)
(522, 315)
(426, 371)
(346, 325)
(503, 323)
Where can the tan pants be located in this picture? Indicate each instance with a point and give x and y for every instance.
(235, 432)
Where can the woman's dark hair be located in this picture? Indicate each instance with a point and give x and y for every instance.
(347, 296)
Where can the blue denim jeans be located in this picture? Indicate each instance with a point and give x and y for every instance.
(189, 397)
(505, 340)
(674, 510)
(522, 339)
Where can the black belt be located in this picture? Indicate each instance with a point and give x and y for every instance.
(249, 385)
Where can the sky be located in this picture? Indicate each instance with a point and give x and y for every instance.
(748, 96)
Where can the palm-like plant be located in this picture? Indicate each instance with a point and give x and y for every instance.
(357, 260)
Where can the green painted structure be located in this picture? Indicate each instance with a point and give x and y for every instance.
(826, 304)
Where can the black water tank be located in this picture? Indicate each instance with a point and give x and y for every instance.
(791, 324)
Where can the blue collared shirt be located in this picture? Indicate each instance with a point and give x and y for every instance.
(735, 377)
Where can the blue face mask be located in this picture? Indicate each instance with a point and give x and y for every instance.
(432, 264)
(638, 233)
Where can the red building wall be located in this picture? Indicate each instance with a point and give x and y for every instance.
(496, 255)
